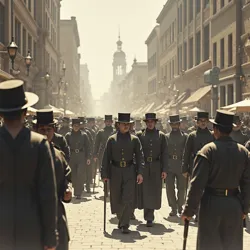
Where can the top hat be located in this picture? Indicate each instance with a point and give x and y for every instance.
(223, 118)
(45, 117)
(124, 118)
(108, 117)
(91, 119)
(13, 97)
(174, 119)
(150, 116)
(76, 121)
(237, 119)
(202, 115)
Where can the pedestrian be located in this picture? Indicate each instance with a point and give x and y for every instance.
(45, 124)
(221, 185)
(184, 124)
(236, 133)
(155, 152)
(65, 128)
(118, 168)
(176, 141)
(80, 156)
(195, 141)
(28, 188)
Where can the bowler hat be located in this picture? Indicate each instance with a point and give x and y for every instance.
(150, 116)
(202, 115)
(45, 117)
(174, 119)
(108, 117)
(13, 97)
(76, 121)
(124, 118)
(223, 118)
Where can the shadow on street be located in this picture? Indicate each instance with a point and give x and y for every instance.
(157, 229)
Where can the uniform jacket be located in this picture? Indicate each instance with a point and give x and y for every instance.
(61, 143)
(28, 217)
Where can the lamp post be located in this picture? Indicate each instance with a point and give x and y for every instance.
(12, 51)
(28, 60)
(47, 78)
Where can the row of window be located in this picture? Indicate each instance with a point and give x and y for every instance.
(52, 32)
(152, 86)
(51, 6)
(168, 70)
(152, 62)
(168, 37)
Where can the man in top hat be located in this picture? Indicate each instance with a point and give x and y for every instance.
(195, 141)
(119, 169)
(176, 141)
(45, 124)
(184, 124)
(28, 218)
(236, 133)
(65, 128)
(221, 185)
(80, 156)
(156, 160)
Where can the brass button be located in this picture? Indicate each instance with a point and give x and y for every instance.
(123, 159)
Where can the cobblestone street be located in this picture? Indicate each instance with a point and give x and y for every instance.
(86, 227)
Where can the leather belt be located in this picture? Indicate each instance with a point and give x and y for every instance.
(174, 157)
(122, 164)
(151, 159)
(77, 151)
(222, 192)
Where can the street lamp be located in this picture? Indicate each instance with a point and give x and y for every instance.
(47, 78)
(28, 60)
(12, 51)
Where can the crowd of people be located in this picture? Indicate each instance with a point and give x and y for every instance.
(46, 162)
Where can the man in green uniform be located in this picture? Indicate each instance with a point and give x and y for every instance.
(119, 169)
(28, 218)
(221, 185)
(45, 124)
(236, 133)
(155, 151)
(176, 141)
(80, 156)
(195, 141)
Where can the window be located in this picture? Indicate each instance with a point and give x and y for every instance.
(206, 43)
(173, 32)
(222, 54)
(215, 54)
(222, 96)
(206, 3)
(18, 32)
(185, 56)
(198, 48)
(29, 5)
(24, 42)
(222, 3)
(230, 50)
(2, 26)
(185, 12)
(191, 46)
(180, 19)
(214, 6)
(173, 68)
(34, 51)
(230, 94)
(30, 44)
(191, 10)
(197, 6)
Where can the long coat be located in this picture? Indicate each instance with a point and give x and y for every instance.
(154, 147)
(28, 211)
(223, 164)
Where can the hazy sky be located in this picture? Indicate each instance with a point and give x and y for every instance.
(98, 23)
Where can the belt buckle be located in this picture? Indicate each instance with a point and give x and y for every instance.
(175, 157)
(149, 159)
(226, 192)
(123, 164)
(77, 151)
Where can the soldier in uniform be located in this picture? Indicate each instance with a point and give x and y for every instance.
(65, 128)
(155, 151)
(80, 156)
(45, 125)
(221, 185)
(28, 187)
(236, 133)
(184, 124)
(176, 141)
(195, 141)
(118, 168)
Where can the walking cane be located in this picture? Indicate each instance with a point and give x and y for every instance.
(186, 225)
(95, 165)
(105, 206)
(244, 223)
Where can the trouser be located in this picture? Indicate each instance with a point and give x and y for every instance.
(77, 178)
(149, 214)
(175, 203)
(89, 175)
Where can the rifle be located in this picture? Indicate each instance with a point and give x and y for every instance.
(185, 235)
(105, 206)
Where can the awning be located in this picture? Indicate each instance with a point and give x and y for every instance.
(150, 107)
(160, 106)
(5, 76)
(198, 94)
(56, 111)
(137, 111)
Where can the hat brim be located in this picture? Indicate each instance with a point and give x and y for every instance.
(175, 121)
(151, 119)
(32, 99)
(222, 125)
(55, 121)
(124, 121)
